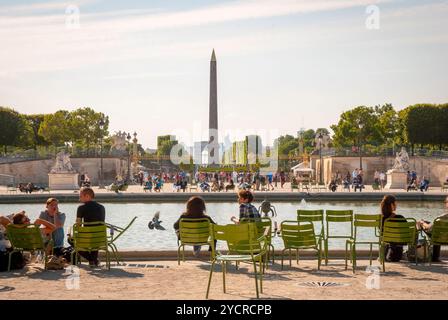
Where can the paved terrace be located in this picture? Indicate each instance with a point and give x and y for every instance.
(164, 279)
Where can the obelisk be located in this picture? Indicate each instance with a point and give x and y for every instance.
(213, 150)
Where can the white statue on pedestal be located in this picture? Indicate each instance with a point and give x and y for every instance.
(62, 164)
(401, 161)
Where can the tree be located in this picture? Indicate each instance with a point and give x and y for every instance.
(55, 128)
(358, 126)
(34, 121)
(425, 124)
(12, 128)
(84, 126)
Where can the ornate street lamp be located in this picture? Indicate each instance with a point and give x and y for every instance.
(320, 137)
(360, 125)
(128, 178)
(101, 125)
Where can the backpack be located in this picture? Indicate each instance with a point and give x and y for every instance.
(420, 249)
(17, 260)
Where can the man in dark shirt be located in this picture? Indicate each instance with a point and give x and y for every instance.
(89, 211)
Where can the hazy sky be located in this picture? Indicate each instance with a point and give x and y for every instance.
(282, 64)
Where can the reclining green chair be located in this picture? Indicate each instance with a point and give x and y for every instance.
(88, 237)
(263, 223)
(314, 216)
(439, 235)
(297, 236)
(364, 221)
(116, 232)
(26, 238)
(244, 245)
(401, 231)
(337, 216)
(192, 232)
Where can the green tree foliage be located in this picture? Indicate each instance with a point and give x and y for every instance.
(34, 122)
(164, 145)
(84, 126)
(360, 125)
(426, 124)
(12, 128)
(55, 128)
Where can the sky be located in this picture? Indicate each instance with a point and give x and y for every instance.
(282, 64)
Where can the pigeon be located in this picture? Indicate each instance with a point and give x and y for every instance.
(155, 223)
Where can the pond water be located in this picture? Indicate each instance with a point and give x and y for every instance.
(140, 237)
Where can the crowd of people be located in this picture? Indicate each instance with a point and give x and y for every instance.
(213, 181)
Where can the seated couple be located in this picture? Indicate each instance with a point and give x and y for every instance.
(195, 209)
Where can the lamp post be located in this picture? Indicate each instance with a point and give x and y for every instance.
(360, 125)
(101, 125)
(320, 137)
(128, 178)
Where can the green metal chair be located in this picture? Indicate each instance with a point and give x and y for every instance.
(263, 223)
(116, 232)
(439, 235)
(401, 231)
(337, 216)
(297, 236)
(364, 221)
(314, 216)
(192, 232)
(243, 245)
(90, 236)
(26, 238)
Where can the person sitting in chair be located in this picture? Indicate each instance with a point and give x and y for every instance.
(333, 185)
(424, 184)
(357, 183)
(412, 185)
(148, 185)
(230, 186)
(204, 186)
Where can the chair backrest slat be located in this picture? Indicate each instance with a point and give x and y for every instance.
(240, 238)
(399, 230)
(194, 230)
(90, 236)
(440, 231)
(25, 237)
(337, 216)
(297, 234)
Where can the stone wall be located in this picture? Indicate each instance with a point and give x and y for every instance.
(37, 171)
(434, 168)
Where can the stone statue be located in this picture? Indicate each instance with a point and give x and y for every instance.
(401, 161)
(118, 143)
(62, 164)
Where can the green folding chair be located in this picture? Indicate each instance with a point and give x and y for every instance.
(26, 238)
(244, 245)
(263, 223)
(439, 235)
(337, 216)
(364, 221)
(314, 216)
(400, 231)
(299, 236)
(88, 237)
(116, 232)
(192, 232)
